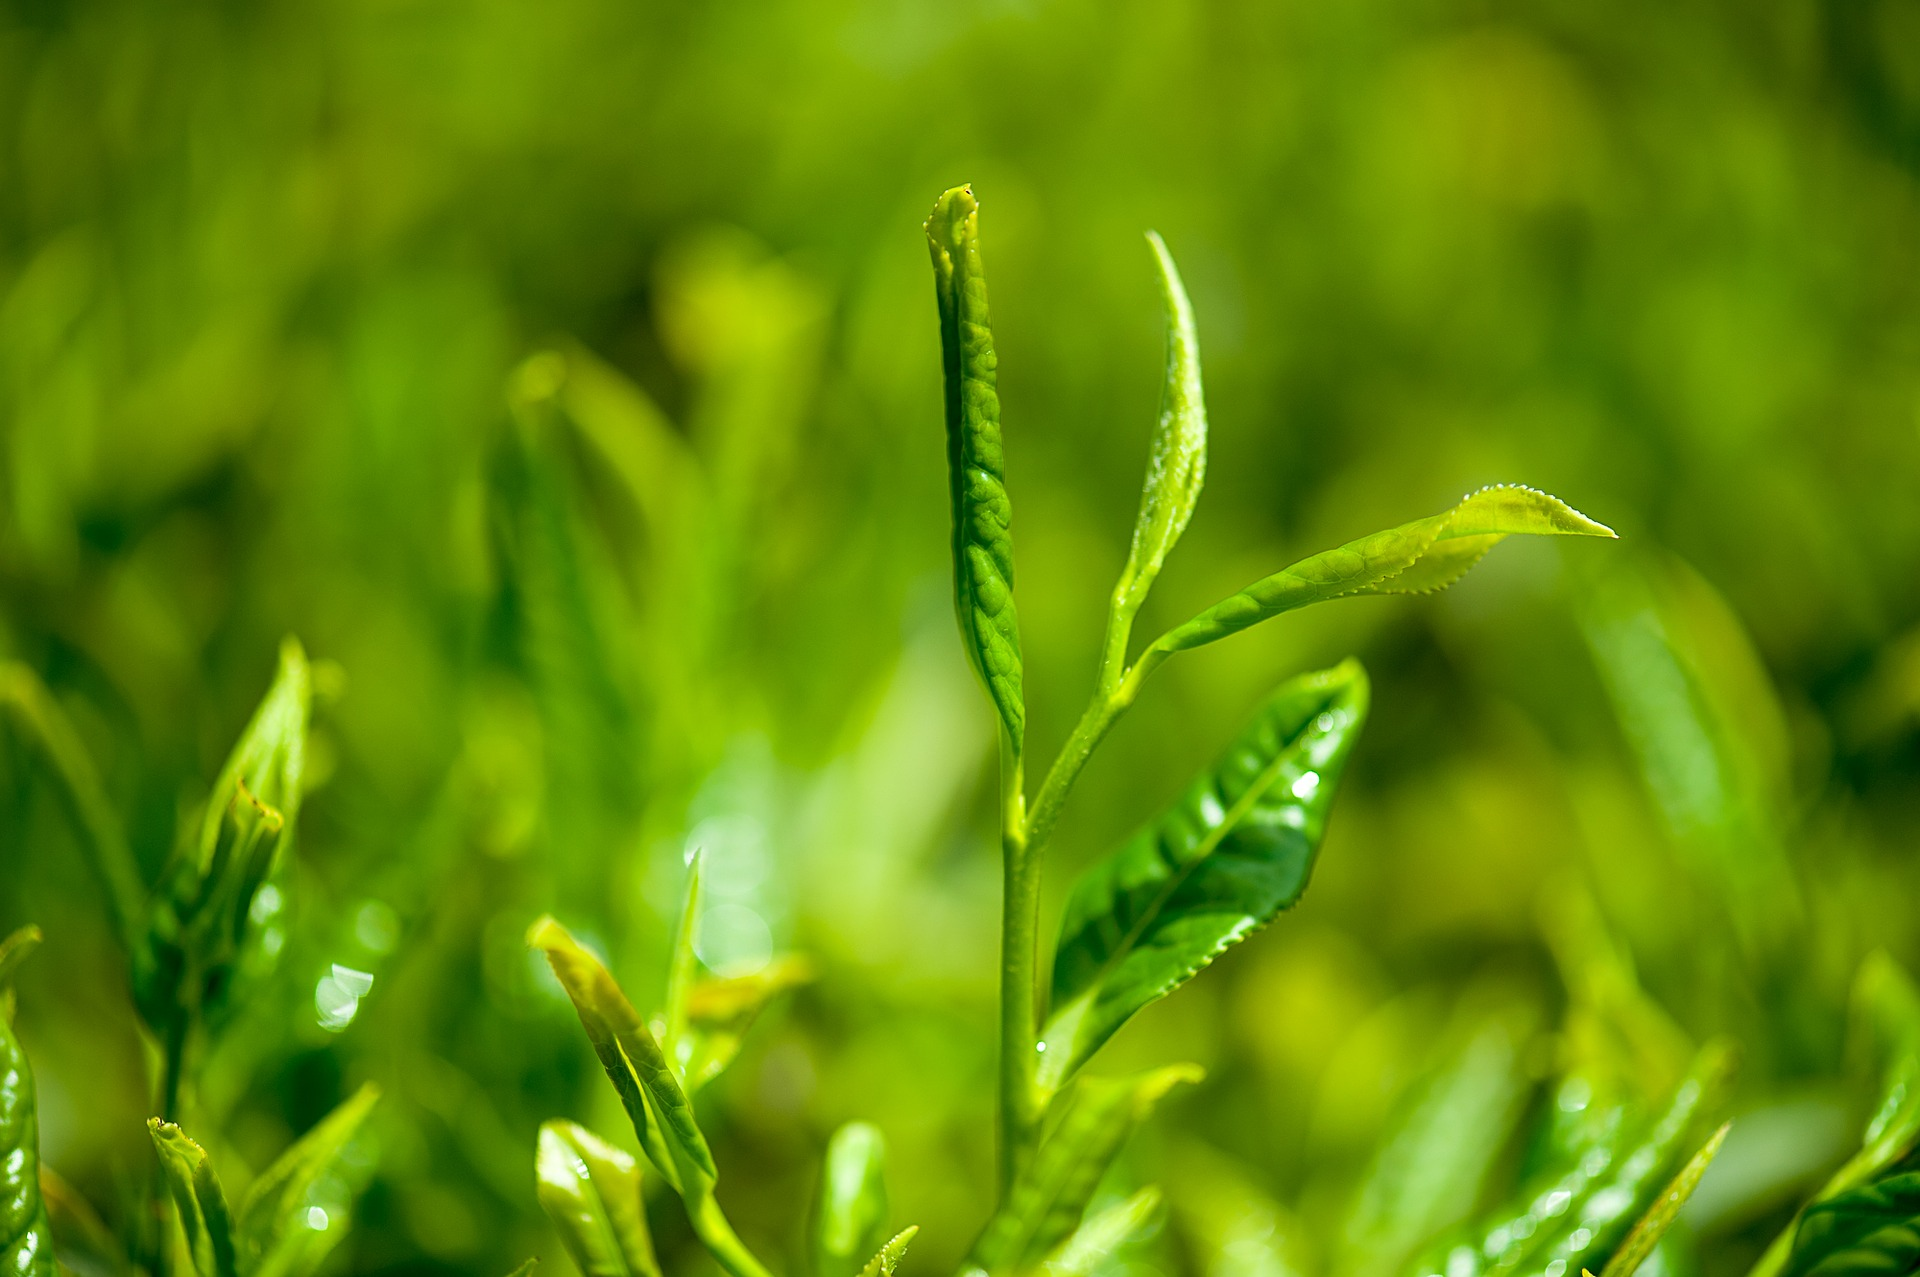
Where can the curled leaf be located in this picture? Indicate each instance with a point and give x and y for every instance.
(26, 1238)
(1177, 457)
(591, 1192)
(661, 1114)
(197, 1195)
(982, 512)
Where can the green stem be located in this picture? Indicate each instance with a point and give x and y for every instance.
(1019, 941)
(716, 1234)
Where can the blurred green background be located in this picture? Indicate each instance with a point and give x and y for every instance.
(565, 376)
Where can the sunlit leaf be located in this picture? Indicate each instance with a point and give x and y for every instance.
(26, 1237)
(661, 1114)
(1653, 1225)
(887, 1259)
(1095, 1241)
(280, 1234)
(591, 1192)
(720, 1011)
(198, 1197)
(1177, 457)
(850, 1211)
(1051, 1192)
(1236, 849)
(982, 512)
(1415, 558)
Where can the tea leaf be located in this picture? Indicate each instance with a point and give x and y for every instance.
(1097, 1239)
(982, 512)
(591, 1191)
(269, 759)
(1177, 458)
(1415, 558)
(888, 1259)
(720, 1011)
(1871, 1229)
(661, 1114)
(681, 968)
(1591, 1233)
(25, 701)
(1052, 1191)
(1653, 1225)
(198, 1197)
(26, 1238)
(278, 1233)
(850, 1213)
(1236, 849)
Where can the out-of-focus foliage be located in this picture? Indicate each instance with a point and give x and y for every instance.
(565, 376)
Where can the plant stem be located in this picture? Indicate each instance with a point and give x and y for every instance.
(716, 1234)
(1019, 941)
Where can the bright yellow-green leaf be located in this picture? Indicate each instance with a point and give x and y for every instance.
(197, 1195)
(591, 1192)
(1653, 1225)
(887, 1260)
(850, 1210)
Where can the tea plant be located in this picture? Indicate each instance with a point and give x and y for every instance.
(198, 943)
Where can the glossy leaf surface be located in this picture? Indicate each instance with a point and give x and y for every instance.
(1177, 457)
(197, 1195)
(280, 1235)
(982, 512)
(26, 1238)
(1236, 849)
(1415, 558)
(1590, 1234)
(661, 1114)
(591, 1192)
(1652, 1226)
(1051, 1193)
(887, 1259)
(1096, 1240)
(850, 1212)
(1873, 1229)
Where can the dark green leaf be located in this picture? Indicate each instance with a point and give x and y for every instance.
(887, 1260)
(197, 1195)
(281, 1235)
(1872, 1231)
(1598, 1227)
(850, 1213)
(1653, 1225)
(1235, 850)
(982, 512)
(1052, 1191)
(661, 1114)
(1096, 1240)
(26, 1238)
(1415, 558)
(591, 1191)
(1177, 458)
